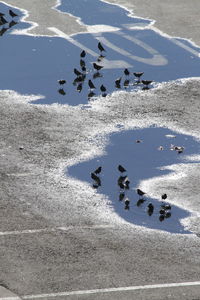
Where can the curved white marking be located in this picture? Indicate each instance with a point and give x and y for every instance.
(108, 64)
(156, 60)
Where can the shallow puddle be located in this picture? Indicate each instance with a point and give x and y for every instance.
(142, 153)
(33, 65)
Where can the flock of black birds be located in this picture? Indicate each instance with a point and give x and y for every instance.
(81, 75)
(5, 24)
(124, 185)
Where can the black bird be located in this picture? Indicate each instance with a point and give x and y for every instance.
(161, 218)
(3, 20)
(101, 48)
(91, 94)
(140, 192)
(80, 78)
(138, 75)
(166, 206)
(97, 75)
(100, 58)
(140, 201)
(117, 82)
(150, 209)
(79, 87)
(146, 83)
(83, 69)
(121, 181)
(61, 81)
(83, 53)
(97, 67)
(96, 179)
(62, 92)
(121, 196)
(77, 72)
(168, 214)
(126, 72)
(127, 203)
(126, 184)
(12, 23)
(3, 30)
(121, 169)
(102, 88)
(98, 170)
(12, 14)
(82, 63)
(91, 85)
(126, 83)
(164, 196)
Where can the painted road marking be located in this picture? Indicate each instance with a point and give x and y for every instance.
(109, 290)
(108, 64)
(156, 60)
(31, 231)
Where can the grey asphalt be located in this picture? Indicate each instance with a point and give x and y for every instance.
(75, 241)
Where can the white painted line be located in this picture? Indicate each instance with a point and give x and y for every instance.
(186, 47)
(10, 298)
(31, 231)
(108, 64)
(156, 60)
(16, 232)
(109, 290)
(73, 41)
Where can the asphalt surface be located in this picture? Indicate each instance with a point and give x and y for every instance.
(58, 235)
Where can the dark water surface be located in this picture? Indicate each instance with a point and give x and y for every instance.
(142, 161)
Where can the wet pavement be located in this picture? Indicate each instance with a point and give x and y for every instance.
(33, 65)
(143, 153)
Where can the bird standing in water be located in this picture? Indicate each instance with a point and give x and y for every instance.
(138, 75)
(61, 81)
(117, 82)
(121, 169)
(126, 72)
(83, 53)
(97, 67)
(3, 20)
(12, 14)
(103, 88)
(146, 83)
(91, 85)
(140, 192)
(98, 170)
(101, 48)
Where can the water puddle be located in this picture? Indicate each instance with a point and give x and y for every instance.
(34, 65)
(50, 66)
(142, 153)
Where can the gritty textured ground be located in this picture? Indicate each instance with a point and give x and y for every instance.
(36, 141)
(96, 249)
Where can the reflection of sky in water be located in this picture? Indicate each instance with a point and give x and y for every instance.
(94, 12)
(141, 160)
(32, 65)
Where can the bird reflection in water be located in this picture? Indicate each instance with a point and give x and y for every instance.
(62, 92)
